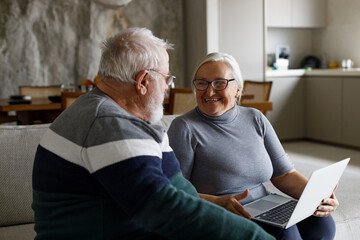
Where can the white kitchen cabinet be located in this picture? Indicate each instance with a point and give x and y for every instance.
(351, 111)
(317, 107)
(278, 13)
(323, 104)
(287, 116)
(308, 13)
(296, 13)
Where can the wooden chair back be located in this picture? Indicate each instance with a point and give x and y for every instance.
(259, 90)
(40, 91)
(181, 100)
(67, 98)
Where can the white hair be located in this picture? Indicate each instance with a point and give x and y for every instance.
(129, 52)
(228, 59)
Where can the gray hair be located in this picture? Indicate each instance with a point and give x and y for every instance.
(129, 52)
(230, 60)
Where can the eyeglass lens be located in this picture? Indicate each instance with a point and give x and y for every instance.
(170, 80)
(218, 84)
(168, 77)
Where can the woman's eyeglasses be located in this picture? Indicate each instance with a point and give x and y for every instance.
(217, 84)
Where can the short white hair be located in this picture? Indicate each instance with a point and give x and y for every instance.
(228, 59)
(129, 52)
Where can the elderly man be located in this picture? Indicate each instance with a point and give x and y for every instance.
(103, 171)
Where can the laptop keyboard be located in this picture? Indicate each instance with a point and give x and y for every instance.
(280, 214)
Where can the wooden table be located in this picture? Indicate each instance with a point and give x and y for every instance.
(40, 109)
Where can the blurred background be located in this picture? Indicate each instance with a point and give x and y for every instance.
(51, 42)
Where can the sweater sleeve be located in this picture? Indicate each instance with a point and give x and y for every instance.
(176, 215)
(133, 176)
(150, 198)
(279, 158)
(184, 149)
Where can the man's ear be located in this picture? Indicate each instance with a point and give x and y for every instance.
(142, 82)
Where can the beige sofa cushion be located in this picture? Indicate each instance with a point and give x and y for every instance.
(17, 147)
(18, 232)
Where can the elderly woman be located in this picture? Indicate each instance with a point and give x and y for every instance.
(227, 151)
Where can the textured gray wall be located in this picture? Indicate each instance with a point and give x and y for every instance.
(47, 42)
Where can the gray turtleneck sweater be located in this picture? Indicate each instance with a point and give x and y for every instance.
(230, 153)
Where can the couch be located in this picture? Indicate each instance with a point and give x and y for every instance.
(18, 146)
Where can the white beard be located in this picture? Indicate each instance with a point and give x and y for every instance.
(156, 109)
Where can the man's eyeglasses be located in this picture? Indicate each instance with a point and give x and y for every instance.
(217, 84)
(168, 77)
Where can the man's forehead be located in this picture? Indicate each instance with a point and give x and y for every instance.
(166, 55)
(165, 65)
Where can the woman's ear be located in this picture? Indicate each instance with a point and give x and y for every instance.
(142, 82)
(237, 93)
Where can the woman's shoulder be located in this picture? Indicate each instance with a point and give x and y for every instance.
(253, 116)
(250, 112)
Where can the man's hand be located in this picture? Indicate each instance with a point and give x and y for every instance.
(230, 203)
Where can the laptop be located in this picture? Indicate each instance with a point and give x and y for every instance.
(284, 212)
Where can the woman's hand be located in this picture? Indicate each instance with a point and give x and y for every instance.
(230, 203)
(327, 206)
(293, 184)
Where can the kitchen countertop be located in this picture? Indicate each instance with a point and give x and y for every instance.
(354, 72)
